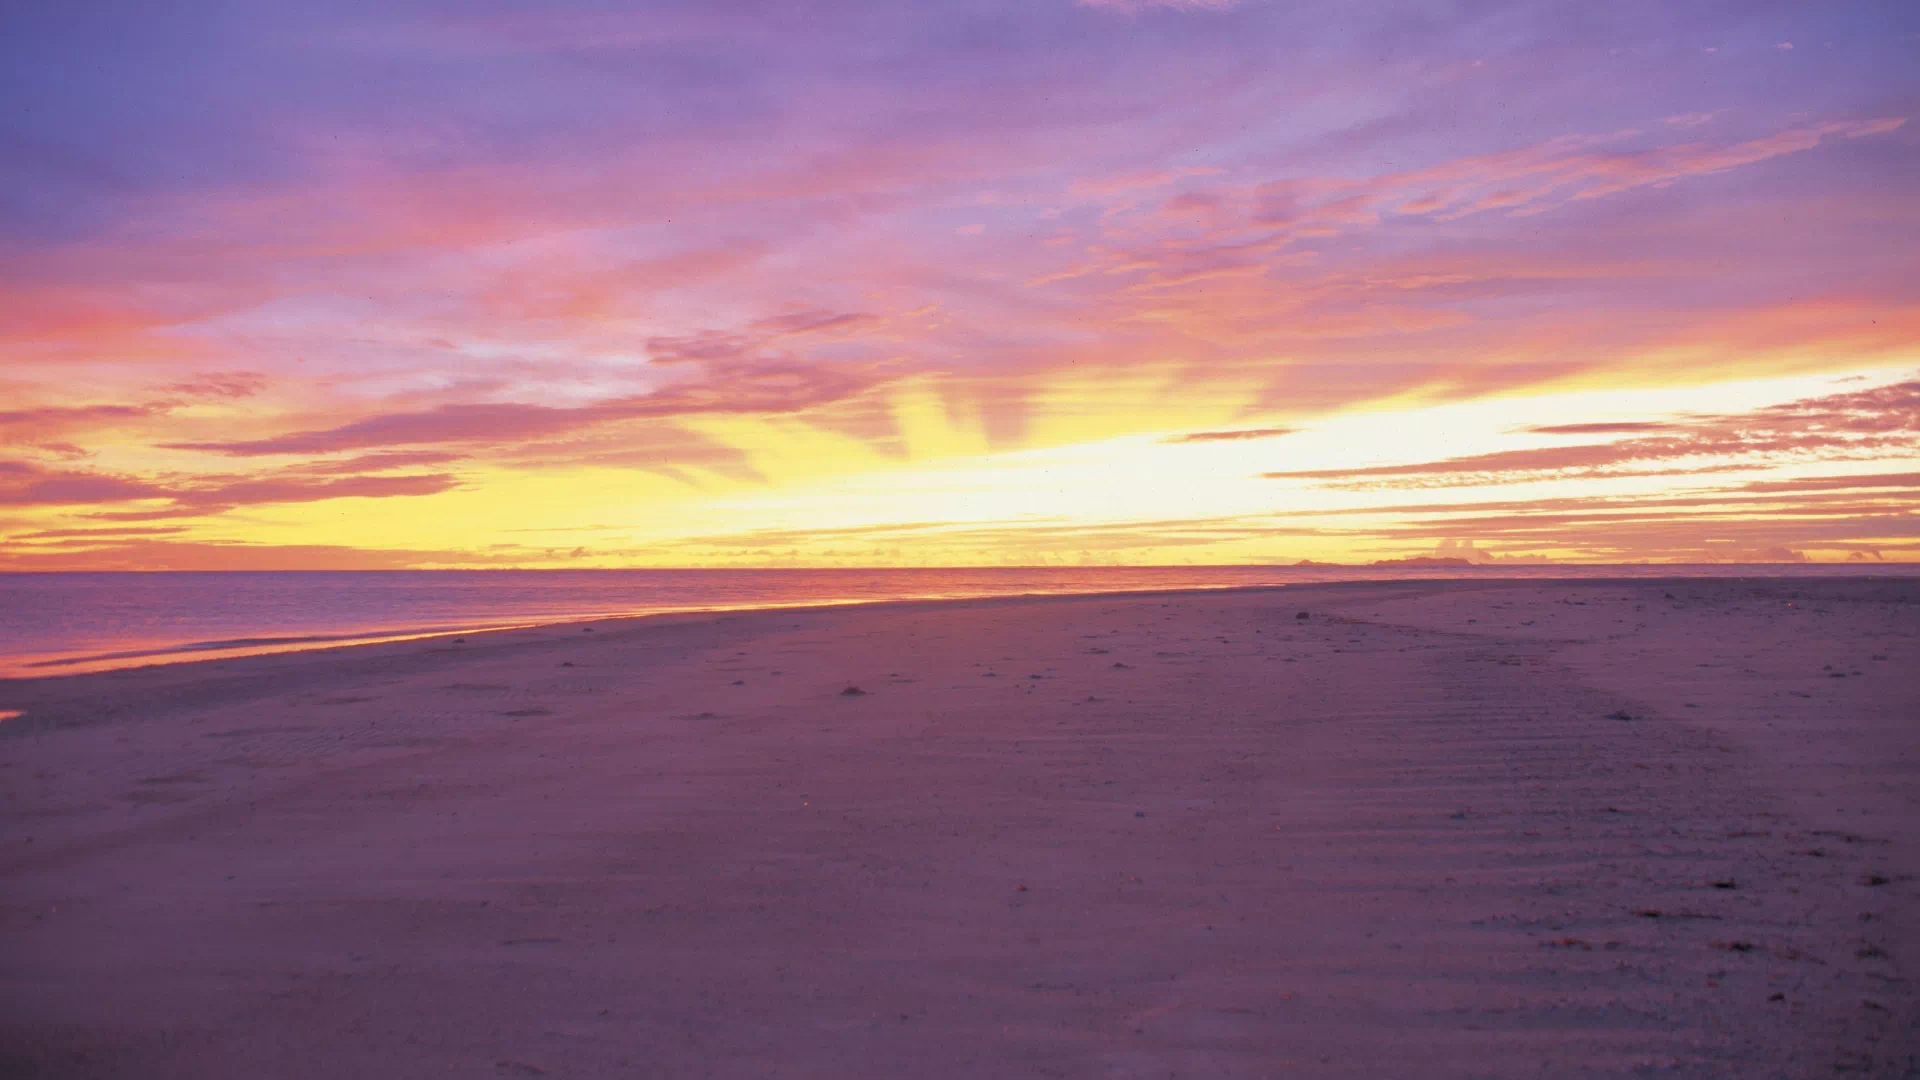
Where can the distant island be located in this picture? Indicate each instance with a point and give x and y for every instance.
(1416, 560)
(1425, 560)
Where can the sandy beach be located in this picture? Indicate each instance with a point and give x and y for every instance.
(1485, 829)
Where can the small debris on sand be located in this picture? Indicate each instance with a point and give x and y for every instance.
(853, 691)
(1303, 615)
(1620, 715)
(1657, 913)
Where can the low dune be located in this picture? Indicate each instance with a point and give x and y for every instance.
(1483, 828)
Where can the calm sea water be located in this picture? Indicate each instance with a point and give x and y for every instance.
(57, 623)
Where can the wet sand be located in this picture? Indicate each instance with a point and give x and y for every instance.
(1481, 829)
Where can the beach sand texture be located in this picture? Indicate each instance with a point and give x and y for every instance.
(1601, 828)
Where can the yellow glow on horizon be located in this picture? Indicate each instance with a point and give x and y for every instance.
(801, 489)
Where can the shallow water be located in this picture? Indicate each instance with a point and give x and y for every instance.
(65, 622)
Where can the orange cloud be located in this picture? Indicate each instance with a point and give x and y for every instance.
(1230, 436)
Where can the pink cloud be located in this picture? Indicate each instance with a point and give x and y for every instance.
(25, 484)
(1861, 425)
(45, 421)
(1624, 428)
(29, 484)
(218, 384)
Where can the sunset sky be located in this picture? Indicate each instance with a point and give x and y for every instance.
(983, 281)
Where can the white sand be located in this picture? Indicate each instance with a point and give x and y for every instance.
(1402, 837)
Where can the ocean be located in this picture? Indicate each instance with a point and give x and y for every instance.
(61, 623)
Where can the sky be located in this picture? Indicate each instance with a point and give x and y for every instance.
(396, 284)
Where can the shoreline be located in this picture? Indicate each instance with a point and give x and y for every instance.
(1659, 823)
(194, 652)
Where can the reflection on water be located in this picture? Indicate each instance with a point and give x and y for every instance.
(65, 622)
